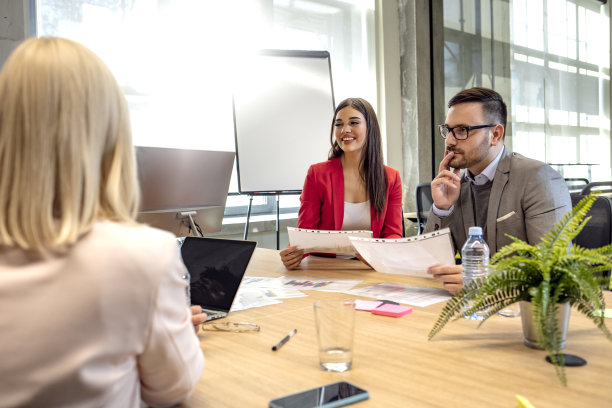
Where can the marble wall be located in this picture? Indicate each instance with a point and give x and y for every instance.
(14, 26)
(415, 70)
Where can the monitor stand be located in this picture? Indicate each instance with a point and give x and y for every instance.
(189, 214)
(185, 221)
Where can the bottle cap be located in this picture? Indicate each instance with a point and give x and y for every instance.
(475, 231)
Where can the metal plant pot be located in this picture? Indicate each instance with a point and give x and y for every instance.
(529, 332)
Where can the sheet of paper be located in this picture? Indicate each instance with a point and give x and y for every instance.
(269, 287)
(323, 241)
(407, 256)
(409, 295)
(260, 281)
(256, 291)
(321, 284)
(367, 304)
(250, 298)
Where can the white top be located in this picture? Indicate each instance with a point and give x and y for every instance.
(102, 326)
(357, 216)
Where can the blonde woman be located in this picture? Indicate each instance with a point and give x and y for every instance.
(92, 304)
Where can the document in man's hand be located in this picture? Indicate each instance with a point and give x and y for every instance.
(407, 256)
(323, 241)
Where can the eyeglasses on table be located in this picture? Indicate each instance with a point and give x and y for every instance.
(236, 327)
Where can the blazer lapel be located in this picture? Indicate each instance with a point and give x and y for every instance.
(337, 179)
(499, 183)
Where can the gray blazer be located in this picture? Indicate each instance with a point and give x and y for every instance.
(527, 198)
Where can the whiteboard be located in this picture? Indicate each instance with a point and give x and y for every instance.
(283, 110)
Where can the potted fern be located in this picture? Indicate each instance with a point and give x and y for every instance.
(545, 278)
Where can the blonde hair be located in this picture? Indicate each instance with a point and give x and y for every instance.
(66, 151)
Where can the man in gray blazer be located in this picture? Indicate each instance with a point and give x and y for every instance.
(501, 191)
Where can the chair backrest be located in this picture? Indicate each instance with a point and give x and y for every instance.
(423, 203)
(598, 231)
(575, 185)
(603, 186)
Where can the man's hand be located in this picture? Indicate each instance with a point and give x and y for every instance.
(197, 317)
(450, 275)
(445, 188)
(291, 257)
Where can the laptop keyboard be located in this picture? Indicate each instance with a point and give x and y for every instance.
(213, 314)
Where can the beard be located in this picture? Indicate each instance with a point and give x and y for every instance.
(463, 160)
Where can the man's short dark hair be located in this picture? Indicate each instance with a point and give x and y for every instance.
(493, 105)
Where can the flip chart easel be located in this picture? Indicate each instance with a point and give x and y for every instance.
(246, 225)
(283, 106)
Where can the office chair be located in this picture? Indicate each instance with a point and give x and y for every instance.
(596, 186)
(575, 185)
(423, 203)
(598, 231)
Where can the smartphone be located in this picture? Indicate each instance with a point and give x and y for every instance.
(331, 395)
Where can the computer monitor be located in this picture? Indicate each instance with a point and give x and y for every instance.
(183, 191)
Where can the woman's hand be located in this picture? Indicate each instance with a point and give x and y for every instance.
(197, 317)
(291, 257)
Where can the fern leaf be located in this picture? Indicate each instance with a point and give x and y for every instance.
(588, 308)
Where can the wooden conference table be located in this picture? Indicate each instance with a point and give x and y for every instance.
(461, 367)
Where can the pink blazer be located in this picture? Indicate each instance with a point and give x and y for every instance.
(115, 327)
(322, 201)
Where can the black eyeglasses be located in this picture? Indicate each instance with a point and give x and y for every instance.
(460, 132)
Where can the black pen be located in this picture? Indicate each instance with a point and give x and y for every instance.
(284, 340)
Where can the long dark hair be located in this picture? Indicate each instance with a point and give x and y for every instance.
(371, 165)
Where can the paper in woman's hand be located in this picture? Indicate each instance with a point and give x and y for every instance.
(323, 241)
(407, 256)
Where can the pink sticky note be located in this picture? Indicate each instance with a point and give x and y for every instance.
(366, 304)
(392, 310)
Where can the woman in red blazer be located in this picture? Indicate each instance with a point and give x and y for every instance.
(354, 179)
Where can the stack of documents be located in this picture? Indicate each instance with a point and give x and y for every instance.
(320, 284)
(410, 295)
(323, 241)
(257, 291)
(407, 256)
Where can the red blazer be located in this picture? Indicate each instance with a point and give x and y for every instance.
(322, 201)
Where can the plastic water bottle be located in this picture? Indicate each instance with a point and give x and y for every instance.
(474, 257)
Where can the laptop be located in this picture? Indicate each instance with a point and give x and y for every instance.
(217, 267)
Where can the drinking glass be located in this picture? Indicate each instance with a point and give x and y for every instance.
(335, 323)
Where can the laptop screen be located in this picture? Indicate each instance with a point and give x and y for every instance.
(216, 267)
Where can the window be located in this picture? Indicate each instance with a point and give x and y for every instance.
(550, 59)
(176, 59)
